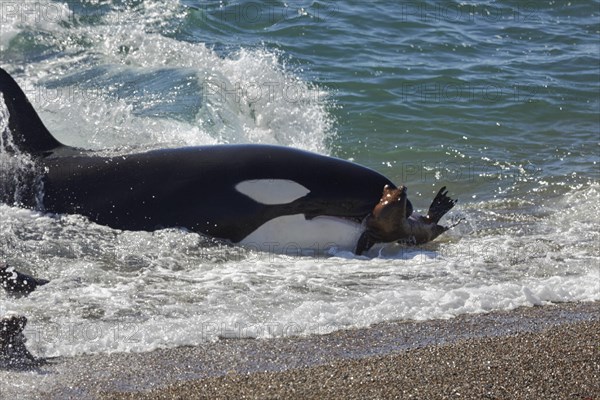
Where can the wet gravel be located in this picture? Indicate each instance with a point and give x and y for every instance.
(549, 352)
(559, 363)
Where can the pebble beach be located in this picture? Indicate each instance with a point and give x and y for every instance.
(550, 352)
(559, 363)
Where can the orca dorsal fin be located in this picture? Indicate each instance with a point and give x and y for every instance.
(28, 131)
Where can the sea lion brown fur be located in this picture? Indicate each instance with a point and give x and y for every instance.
(392, 220)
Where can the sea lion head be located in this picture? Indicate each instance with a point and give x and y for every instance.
(389, 217)
(393, 201)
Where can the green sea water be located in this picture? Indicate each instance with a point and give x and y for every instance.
(474, 91)
(471, 91)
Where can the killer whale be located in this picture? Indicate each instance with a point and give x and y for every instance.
(267, 196)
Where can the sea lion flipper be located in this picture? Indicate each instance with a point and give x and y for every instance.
(440, 205)
(364, 243)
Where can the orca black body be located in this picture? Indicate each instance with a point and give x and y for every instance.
(195, 188)
(242, 193)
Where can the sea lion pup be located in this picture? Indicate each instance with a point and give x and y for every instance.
(392, 220)
(13, 352)
(17, 283)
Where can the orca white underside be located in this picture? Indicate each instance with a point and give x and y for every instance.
(295, 235)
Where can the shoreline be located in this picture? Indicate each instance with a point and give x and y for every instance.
(552, 364)
(541, 351)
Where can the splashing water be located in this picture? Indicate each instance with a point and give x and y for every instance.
(144, 75)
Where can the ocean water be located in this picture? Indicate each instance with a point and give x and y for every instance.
(498, 101)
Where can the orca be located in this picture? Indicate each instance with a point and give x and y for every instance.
(273, 198)
(16, 283)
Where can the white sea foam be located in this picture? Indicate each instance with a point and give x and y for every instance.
(246, 96)
(137, 291)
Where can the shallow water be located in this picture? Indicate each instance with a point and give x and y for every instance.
(499, 102)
